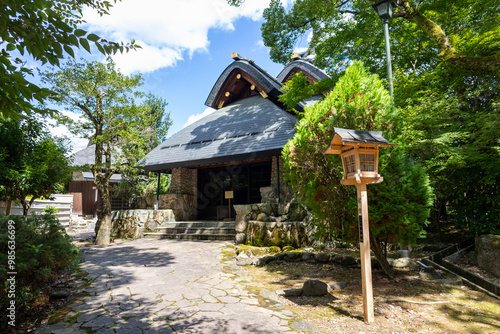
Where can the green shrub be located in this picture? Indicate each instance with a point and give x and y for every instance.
(42, 252)
(399, 206)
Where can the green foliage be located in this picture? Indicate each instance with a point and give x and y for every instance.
(464, 34)
(452, 121)
(446, 60)
(358, 101)
(298, 89)
(46, 31)
(155, 124)
(135, 185)
(32, 163)
(42, 251)
(119, 128)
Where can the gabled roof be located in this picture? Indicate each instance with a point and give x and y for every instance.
(312, 73)
(86, 156)
(237, 80)
(248, 129)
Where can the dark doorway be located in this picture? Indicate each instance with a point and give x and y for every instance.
(244, 181)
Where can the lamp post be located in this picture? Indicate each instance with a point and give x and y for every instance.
(384, 11)
(359, 153)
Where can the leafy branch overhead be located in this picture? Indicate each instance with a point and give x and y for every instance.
(46, 31)
(462, 34)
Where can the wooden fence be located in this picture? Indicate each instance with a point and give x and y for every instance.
(62, 202)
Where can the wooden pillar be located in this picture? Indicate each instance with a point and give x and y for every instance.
(158, 192)
(366, 264)
(278, 178)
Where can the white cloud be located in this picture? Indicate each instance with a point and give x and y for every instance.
(166, 29)
(196, 117)
(58, 130)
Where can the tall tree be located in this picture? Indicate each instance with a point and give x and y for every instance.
(464, 34)
(32, 163)
(135, 183)
(452, 120)
(110, 118)
(446, 58)
(47, 31)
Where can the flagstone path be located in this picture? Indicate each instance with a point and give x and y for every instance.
(167, 286)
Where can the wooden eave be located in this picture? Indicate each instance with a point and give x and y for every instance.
(238, 86)
(310, 78)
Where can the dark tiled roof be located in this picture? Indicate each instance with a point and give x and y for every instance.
(247, 129)
(356, 136)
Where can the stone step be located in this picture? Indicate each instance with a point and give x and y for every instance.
(190, 236)
(208, 224)
(206, 230)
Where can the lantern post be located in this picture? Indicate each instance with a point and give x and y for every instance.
(384, 11)
(359, 152)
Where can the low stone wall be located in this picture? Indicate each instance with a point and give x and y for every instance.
(131, 224)
(266, 224)
(488, 253)
(182, 205)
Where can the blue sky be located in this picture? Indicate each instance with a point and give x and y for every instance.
(186, 44)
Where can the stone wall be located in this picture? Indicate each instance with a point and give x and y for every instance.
(488, 253)
(268, 224)
(131, 224)
(183, 206)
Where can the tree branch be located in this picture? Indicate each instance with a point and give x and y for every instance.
(488, 64)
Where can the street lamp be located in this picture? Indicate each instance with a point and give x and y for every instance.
(384, 11)
(359, 152)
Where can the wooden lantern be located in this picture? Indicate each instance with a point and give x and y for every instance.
(359, 153)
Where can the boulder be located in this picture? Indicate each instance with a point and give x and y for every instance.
(401, 262)
(260, 261)
(240, 238)
(488, 253)
(345, 260)
(337, 285)
(306, 256)
(322, 257)
(293, 256)
(313, 287)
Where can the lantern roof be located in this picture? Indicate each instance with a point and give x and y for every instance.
(347, 137)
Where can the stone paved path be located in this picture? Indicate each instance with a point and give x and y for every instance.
(167, 286)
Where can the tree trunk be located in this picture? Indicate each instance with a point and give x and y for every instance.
(379, 255)
(103, 233)
(102, 171)
(447, 52)
(9, 208)
(26, 206)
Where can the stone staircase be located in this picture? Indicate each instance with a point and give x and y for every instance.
(195, 230)
(81, 224)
